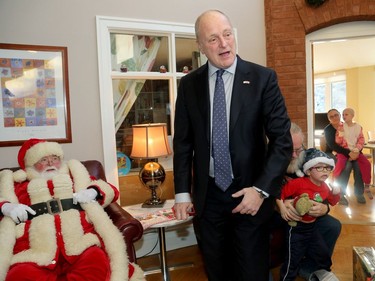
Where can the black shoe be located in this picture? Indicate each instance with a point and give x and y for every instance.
(344, 201)
(361, 199)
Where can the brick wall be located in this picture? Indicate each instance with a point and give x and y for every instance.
(287, 24)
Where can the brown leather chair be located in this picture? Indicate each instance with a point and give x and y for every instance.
(130, 228)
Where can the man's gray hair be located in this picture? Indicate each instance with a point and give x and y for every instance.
(295, 129)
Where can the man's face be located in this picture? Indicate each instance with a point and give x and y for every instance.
(297, 145)
(216, 40)
(48, 165)
(295, 162)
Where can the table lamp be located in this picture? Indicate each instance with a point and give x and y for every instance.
(150, 141)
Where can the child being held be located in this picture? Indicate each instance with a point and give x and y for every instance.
(304, 237)
(349, 135)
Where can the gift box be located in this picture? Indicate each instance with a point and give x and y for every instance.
(363, 264)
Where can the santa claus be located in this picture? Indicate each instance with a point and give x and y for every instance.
(52, 222)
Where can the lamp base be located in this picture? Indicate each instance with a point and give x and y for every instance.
(152, 177)
(150, 203)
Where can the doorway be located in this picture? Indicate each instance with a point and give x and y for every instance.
(342, 49)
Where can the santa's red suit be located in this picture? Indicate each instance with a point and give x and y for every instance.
(78, 243)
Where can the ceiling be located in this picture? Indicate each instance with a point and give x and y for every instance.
(343, 54)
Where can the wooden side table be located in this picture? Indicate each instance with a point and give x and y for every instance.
(138, 211)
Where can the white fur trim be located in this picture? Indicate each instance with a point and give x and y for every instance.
(113, 240)
(38, 191)
(7, 187)
(76, 241)
(40, 150)
(112, 237)
(82, 180)
(62, 186)
(107, 189)
(138, 274)
(317, 160)
(80, 175)
(19, 175)
(7, 241)
(42, 251)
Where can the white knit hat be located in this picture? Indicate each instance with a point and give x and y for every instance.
(314, 156)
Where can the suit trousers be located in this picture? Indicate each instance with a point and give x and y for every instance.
(235, 247)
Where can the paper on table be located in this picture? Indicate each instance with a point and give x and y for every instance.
(149, 219)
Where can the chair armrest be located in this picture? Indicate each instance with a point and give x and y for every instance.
(130, 227)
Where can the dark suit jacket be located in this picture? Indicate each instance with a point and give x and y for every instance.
(257, 112)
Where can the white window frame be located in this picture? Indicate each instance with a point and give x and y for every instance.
(328, 79)
(105, 26)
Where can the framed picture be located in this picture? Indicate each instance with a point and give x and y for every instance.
(34, 94)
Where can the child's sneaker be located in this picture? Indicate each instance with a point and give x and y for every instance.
(368, 192)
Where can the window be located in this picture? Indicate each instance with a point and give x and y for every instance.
(140, 64)
(329, 92)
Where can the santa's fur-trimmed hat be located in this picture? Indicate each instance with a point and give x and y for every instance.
(315, 156)
(35, 149)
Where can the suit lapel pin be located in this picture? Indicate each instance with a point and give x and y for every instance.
(246, 82)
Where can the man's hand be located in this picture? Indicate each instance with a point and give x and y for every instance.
(85, 196)
(318, 209)
(182, 210)
(250, 203)
(17, 212)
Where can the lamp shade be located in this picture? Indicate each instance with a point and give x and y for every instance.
(150, 141)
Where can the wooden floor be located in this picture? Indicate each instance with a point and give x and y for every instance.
(358, 229)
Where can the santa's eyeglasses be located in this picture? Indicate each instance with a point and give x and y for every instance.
(299, 150)
(49, 159)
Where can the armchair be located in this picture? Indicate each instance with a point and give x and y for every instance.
(130, 228)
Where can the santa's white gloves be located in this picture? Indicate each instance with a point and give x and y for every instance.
(85, 196)
(17, 212)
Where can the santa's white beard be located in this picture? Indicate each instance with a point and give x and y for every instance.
(48, 173)
(295, 164)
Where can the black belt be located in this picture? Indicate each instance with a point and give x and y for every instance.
(53, 207)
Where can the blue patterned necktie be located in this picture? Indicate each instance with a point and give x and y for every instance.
(220, 143)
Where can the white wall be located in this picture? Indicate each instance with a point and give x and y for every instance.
(71, 23)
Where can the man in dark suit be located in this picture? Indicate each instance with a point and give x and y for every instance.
(231, 222)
